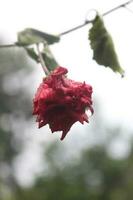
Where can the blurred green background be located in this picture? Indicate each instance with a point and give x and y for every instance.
(97, 172)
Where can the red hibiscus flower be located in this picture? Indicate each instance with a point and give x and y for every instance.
(60, 102)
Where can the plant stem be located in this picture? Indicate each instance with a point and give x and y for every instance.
(42, 61)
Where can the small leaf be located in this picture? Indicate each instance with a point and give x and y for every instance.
(31, 52)
(46, 54)
(48, 58)
(103, 47)
(32, 36)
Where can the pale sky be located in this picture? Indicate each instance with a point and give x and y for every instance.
(73, 52)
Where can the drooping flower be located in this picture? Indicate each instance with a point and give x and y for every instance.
(60, 102)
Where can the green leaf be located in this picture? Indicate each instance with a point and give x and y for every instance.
(103, 47)
(31, 52)
(48, 58)
(32, 36)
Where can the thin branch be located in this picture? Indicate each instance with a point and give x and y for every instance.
(16, 44)
(8, 45)
(81, 25)
(104, 14)
(117, 7)
(128, 9)
(75, 28)
(42, 61)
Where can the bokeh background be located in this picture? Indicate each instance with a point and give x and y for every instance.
(95, 161)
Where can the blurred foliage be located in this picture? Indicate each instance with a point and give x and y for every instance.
(15, 110)
(95, 176)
